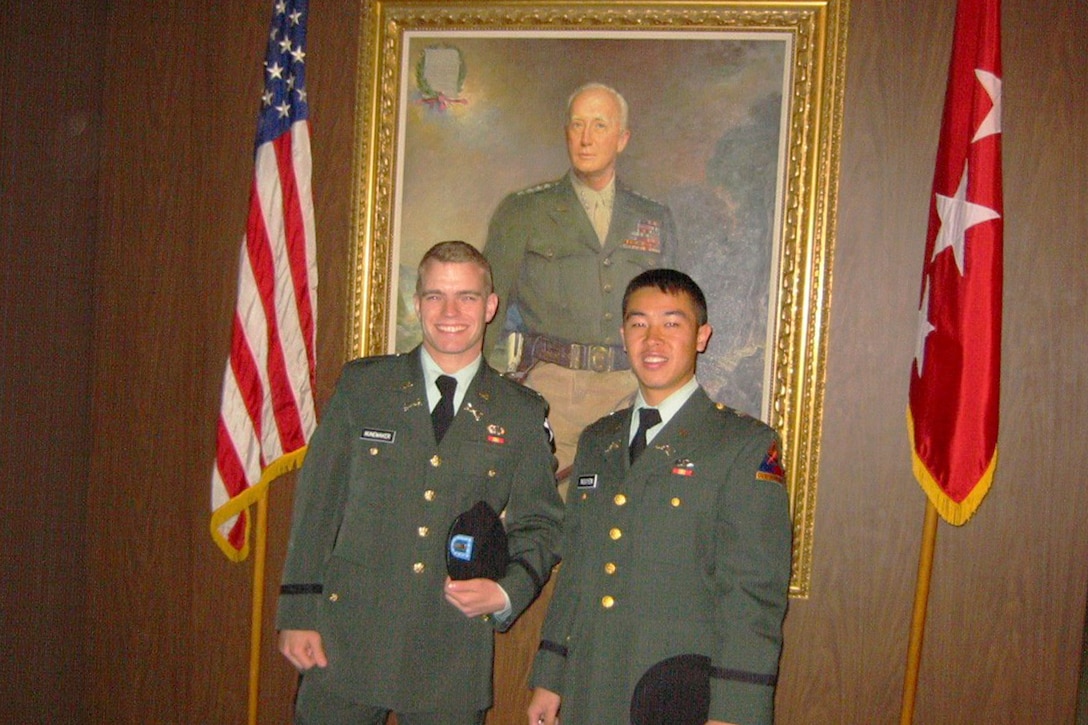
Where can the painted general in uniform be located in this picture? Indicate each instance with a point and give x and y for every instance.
(669, 604)
(562, 254)
(366, 609)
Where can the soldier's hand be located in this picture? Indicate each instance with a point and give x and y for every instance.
(302, 648)
(544, 707)
(475, 597)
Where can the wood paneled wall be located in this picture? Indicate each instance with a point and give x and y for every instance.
(50, 130)
(137, 618)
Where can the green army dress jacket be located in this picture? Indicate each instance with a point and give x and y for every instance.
(365, 564)
(685, 552)
(546, 258)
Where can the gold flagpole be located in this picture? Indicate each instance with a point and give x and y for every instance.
(255, 494)
(918, 620)
(260, 547)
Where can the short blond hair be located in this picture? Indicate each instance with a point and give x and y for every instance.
(455, 252)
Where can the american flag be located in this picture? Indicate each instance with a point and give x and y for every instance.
(267, 410)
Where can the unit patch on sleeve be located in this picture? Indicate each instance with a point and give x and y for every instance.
(771, 468)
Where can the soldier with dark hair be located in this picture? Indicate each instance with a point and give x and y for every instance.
(676, 545)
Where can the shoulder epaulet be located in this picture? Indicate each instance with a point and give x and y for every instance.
(361, 362)
(538, 188)
(731, 411)
(606, 422)
(640, 195)
(745, 421)
(727, 412)
(523, 389)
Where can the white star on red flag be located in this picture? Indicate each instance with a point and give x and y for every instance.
(992, 123)
(924, 328)
(957, 216)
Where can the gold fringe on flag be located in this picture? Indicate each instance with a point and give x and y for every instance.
(954, 513)
(240, 503)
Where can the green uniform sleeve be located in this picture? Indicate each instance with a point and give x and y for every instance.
(318, 508)
(504, 249)
(534, 517)
(550, 661)
(752, 572)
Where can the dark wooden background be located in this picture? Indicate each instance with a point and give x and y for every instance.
(125, 162)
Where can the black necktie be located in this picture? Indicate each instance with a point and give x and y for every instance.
(442, 415)
(647, 418)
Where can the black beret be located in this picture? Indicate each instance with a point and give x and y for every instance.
(675, 691)
(476, 545)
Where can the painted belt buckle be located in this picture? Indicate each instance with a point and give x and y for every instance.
(600, 358)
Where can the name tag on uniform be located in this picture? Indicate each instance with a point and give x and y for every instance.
(378, 436)
(587, 481)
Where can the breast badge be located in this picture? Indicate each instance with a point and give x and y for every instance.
(496, 434)
(683, 467)
(646, 237)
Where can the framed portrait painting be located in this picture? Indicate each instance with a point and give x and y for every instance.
(734, 110)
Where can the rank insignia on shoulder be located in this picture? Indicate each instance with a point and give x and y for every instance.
(771, 468)
(539, 187)
(589, 481)
(378, 436)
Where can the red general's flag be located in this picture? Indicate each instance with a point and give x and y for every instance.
(955, 378)
(267, 412)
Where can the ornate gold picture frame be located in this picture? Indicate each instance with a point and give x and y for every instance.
(735, 116)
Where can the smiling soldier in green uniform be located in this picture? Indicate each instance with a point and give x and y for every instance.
(366, 611)
(562, 253)
(676, 546)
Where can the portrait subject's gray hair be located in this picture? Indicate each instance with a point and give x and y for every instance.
(594, 86)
